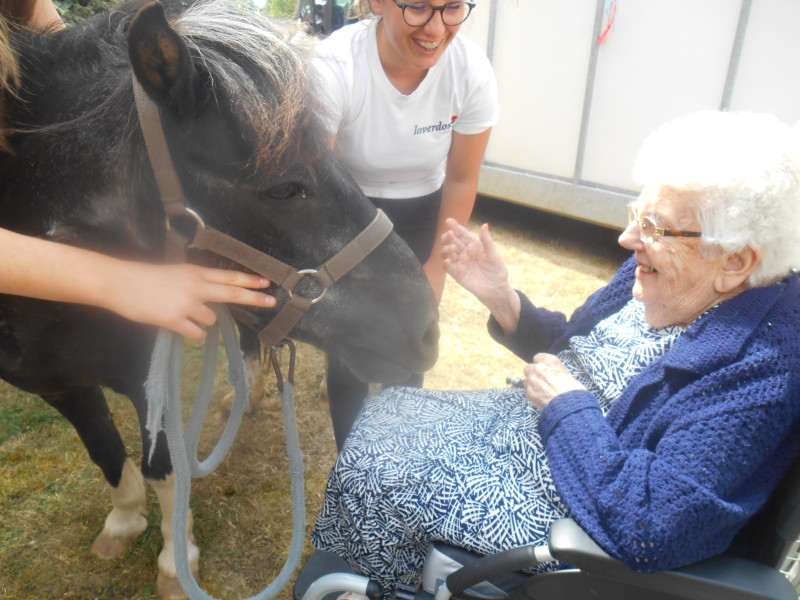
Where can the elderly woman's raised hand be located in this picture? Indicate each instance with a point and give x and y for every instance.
(547, 377)
(475, 263)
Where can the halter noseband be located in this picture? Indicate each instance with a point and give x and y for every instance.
(206, 238)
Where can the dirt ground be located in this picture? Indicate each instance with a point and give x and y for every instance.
(53, 501)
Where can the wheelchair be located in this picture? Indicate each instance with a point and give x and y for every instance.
(763, 563)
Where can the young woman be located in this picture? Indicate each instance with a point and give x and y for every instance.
(409, 105)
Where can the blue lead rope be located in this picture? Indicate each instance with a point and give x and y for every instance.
(164, 413)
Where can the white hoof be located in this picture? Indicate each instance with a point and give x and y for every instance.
(126, 520)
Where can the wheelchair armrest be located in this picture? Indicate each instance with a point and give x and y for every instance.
(570, 544)
(484, 568)
(567, 543)
(722, 576)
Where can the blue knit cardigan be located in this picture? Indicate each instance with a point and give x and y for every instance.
(696, 443)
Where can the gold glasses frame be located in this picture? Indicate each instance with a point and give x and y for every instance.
(649, 233)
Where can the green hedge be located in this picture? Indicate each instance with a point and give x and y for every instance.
(74, 11)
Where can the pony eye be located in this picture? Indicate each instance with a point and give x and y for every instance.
(286, 191)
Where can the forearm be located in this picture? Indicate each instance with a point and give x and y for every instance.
(699, 479)
(44, 16)
(458, 200)
(172, 296)
(47, 270)
(461, 178)
(625, 498)
(541, 330)
(535, 331)
(458, 196)
(505, 306)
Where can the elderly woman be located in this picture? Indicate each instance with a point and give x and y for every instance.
(660, 416)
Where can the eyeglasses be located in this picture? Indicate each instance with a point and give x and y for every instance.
(419, 14)
(648, 230)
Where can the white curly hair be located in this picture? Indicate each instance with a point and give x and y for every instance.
(743, 170)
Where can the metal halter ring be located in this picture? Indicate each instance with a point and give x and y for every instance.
(311, 272)
(186, 212)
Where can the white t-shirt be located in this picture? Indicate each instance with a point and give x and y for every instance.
(394, 145)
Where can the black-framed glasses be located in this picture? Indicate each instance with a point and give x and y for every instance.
(649, 233)
(419, 14)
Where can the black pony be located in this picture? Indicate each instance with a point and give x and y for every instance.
(234, 97)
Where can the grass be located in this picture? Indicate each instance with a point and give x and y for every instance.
(53, 500)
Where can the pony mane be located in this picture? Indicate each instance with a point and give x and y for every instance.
(259, 67)
(261, 64)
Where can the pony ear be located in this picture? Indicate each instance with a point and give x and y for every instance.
(160, 60)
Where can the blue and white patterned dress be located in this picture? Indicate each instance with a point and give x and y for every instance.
(467, 468)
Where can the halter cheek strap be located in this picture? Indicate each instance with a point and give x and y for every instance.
(206, 238)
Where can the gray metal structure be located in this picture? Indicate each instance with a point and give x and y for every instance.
(742, 32)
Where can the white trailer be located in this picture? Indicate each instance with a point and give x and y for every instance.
(574, 112)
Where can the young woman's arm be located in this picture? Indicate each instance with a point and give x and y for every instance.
(171, 296)
(44, 16)
(458, 196)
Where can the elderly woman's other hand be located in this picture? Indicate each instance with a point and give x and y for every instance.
(547, 377)
(475, 263)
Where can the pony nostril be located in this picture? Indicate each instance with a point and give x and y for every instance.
(431, 336)
(430, 342)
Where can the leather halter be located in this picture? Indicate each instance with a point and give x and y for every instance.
(206, 238)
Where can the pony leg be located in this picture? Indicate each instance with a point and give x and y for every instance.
(126, 520)
(88, 412)
(157, 472)
(251, 348)
(168, 586)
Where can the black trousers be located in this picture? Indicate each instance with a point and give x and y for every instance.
(415, 221)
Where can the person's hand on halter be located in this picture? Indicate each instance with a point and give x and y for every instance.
(171, 296)
(175, 296)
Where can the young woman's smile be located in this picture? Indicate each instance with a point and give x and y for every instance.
(408, 52)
